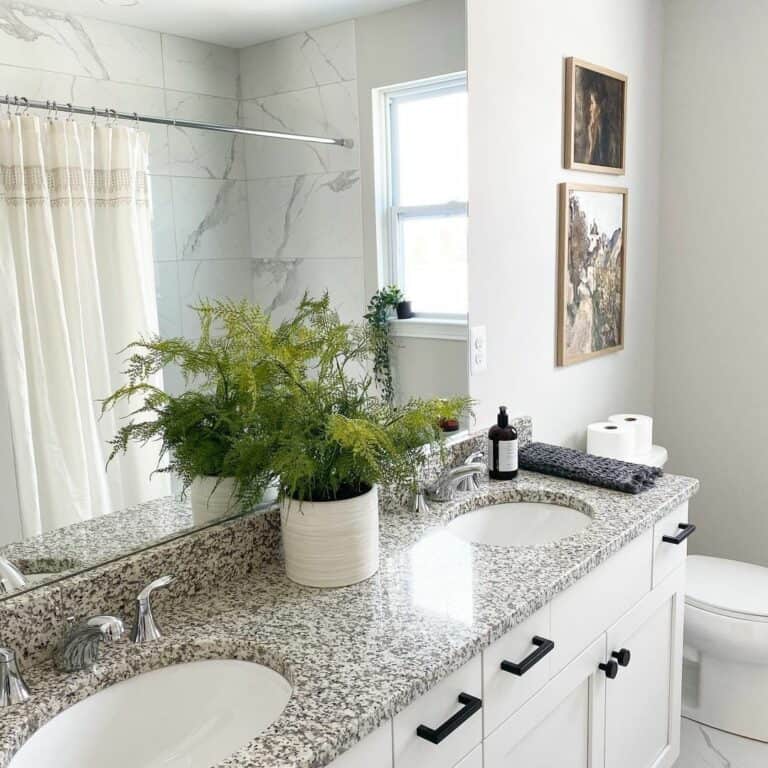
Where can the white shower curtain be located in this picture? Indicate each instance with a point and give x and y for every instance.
(76, 286)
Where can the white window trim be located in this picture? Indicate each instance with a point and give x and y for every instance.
(388, 215)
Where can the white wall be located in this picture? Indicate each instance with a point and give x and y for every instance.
(417, 41)
(516, 75)
(711, 363)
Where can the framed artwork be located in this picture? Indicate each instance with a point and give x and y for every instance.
(595, 118)
(592, 271)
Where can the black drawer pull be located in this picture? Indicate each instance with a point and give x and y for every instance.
(686, 529)
(471, 706)
(534, 657)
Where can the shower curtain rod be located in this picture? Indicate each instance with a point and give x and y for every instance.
(24, 104)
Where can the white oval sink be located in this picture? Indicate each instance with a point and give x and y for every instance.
(519, 524)
(184, 716)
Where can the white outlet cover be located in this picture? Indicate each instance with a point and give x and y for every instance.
(478, 349)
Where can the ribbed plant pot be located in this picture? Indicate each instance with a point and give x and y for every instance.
(331, 543)
(213, 498)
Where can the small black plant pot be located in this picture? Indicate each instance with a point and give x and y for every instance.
(404, 311)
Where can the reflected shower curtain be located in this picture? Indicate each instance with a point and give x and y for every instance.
(76, 286)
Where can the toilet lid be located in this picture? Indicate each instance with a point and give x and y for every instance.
(727, 587)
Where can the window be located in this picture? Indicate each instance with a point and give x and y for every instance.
(422, 193)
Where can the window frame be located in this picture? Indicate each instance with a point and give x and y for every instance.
(389, 213)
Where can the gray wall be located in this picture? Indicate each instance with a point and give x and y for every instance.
(711, 364)
(516, 69)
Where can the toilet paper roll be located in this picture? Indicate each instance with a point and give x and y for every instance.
(614, 441)
(641, 427)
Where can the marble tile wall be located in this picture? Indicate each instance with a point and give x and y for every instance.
(304, 200)
(201, 217)
(243, 218)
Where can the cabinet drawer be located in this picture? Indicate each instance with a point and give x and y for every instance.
(667, 556)
(583, 611)
(434, 709)
(505, 691)
(374, 751)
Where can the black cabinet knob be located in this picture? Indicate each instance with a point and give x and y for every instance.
(611, 669)
(623, 656)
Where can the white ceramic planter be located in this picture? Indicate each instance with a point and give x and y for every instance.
(211, 501)
(331, 543)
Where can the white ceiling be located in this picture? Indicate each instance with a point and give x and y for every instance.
(236, 23)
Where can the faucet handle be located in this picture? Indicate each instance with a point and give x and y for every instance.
(144, 626)
(161, 583)
(472, 482)
(13, 688)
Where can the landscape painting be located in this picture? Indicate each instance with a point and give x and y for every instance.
(592, 271)
(595, 118)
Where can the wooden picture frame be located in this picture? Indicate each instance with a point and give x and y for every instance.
(595, 118)
(592, 282)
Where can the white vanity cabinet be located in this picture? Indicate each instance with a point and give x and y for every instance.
(592, 680)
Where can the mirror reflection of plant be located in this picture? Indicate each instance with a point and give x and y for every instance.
(381, 308)
(212, 429)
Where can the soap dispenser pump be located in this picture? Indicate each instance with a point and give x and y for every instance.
(502, 448)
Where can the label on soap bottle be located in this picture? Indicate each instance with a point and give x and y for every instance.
(502, 455)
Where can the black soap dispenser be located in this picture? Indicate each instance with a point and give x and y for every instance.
(502, 448)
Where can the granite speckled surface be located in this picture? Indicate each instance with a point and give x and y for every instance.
(360, 654)
(94, 541)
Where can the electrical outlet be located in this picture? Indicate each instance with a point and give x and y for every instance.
(478, 349)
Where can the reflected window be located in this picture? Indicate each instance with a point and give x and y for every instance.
(423, 192)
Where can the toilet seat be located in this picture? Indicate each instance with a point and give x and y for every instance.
(727, 588)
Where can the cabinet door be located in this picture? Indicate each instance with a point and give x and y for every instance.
(642, 703)
(562, 725)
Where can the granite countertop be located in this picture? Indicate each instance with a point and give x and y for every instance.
(357, 655)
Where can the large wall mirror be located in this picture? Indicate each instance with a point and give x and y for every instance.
(93, 258)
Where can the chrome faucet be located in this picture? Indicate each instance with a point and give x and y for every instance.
(11, 578)
(13, 689)
(78, 650)
(144, 627)
(472, 482)
(447, 484)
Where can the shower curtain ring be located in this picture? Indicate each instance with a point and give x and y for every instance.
(95, 115)
(16, 104)
(25, 101)
(55, 111)
(71, 111)
(136, 121)
(8, 104)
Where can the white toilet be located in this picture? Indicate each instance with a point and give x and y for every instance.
(725, 665)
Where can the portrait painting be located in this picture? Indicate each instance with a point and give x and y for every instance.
(592, 271)
(595, 118)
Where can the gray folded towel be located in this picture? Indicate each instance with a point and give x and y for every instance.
(586, 468)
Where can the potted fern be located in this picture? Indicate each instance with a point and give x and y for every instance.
(210, 435)
(333, 441)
